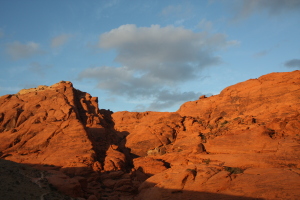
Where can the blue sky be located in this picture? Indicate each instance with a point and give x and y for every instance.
(139, 55)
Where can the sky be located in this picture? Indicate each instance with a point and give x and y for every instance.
(140, 55)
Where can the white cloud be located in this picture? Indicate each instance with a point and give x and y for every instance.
(122, 81)
(294, 63)
(17, 50)
(162, 47)
(156, 60)
(59, 40)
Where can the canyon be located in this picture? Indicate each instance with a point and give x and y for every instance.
(243, 143)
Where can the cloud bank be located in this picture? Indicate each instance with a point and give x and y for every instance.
(155, 61)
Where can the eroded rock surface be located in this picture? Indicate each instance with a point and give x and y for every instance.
(47, 126)
(61, 130)
(241, 144)
(212, 144)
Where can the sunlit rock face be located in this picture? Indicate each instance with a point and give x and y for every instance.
(45, 125)
(241, 144)
(222, 146)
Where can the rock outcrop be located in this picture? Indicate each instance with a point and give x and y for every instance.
(241, 144)
(61, 130)
(215, 145)
(47, 126)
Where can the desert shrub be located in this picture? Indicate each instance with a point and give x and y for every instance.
(210, 126)
(203, 137)
(234, 170)
(206, 161)
(271, 132)
(224, 123)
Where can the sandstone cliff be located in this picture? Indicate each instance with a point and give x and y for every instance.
(62, 130)
(241, 144)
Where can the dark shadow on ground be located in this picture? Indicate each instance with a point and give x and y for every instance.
(20, 181)
(155, 192)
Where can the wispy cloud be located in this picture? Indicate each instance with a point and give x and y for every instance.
(178, 13)
(172, 9)
(38, 68)
(294, 63)
(166, 98)
(105, 7)
(274, 7)
(261, 53)
(60, 40)
(155, 61)
(17, 50)
(265, 51)
(205, 25)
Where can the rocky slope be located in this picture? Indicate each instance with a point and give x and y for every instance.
(61, 130)
(241, 144)
(244, 142)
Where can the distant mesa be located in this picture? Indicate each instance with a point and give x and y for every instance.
(241, 144)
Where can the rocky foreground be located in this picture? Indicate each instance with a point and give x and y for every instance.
(241, 144)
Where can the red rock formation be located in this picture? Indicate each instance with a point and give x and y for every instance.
(241, 144)
(44, 126)
(58, 127)
(150, 132)
(215, 145)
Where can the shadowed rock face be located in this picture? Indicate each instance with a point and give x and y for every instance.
(241, 144)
